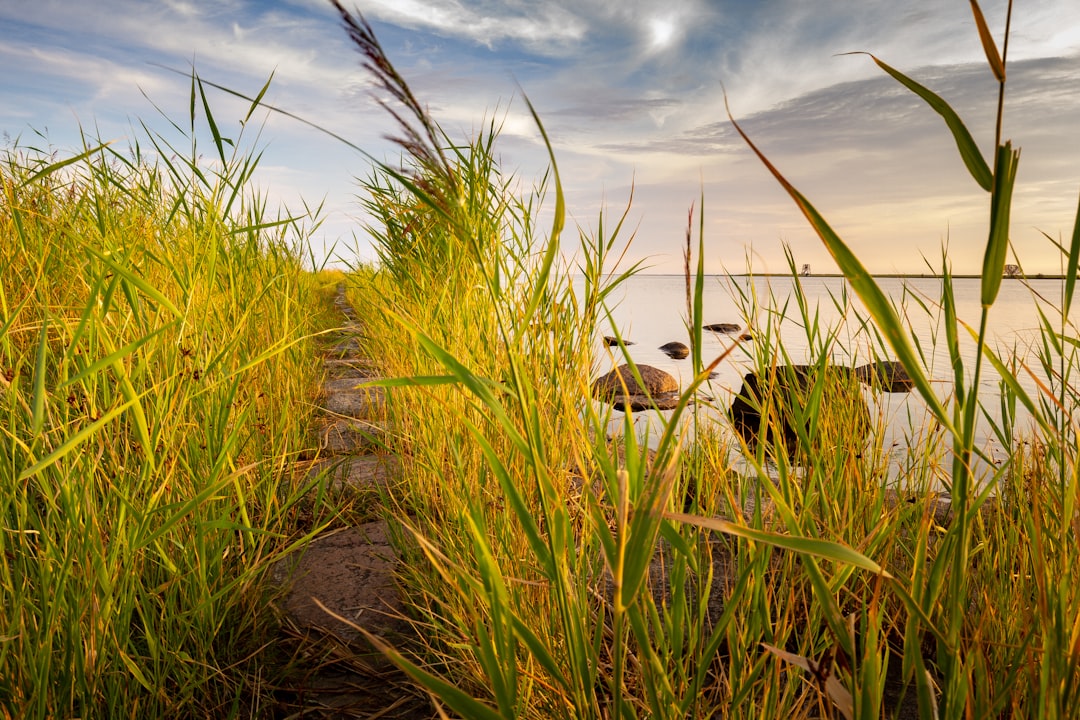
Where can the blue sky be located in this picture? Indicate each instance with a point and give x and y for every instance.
(630, 93)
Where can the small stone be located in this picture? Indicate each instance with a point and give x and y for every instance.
(346, 436)
(356, 368)
(359, 472)
(349, 347)
(724, 328)
(675, 350)
(351, 573)
(345, 397)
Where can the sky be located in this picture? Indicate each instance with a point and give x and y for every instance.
(631, 93)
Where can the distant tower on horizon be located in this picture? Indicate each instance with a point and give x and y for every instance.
(805, 272)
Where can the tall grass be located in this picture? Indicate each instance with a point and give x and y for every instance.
(557, 572)
(155, 376)
(941, 598)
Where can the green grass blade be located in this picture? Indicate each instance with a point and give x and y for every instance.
(969, 151)
(458, 700)
(191, 102)
(249, 229)
(557, 223)
(1010, 379)
(1073, 263)
(147, 289)
(265, 355)
(74, 441)
(37, 404)
(826, 597)
(540, 652)
(341, 139)
(258, 99)
(997, 246)
(479, 387)
(558, 219)
(53, 167)
(142, 427)
(15, 313)
(952, 338)
(513, 495)
(136, 671)
(89, 307)
(697, 317)
(113, 357)
(219, 141)
(174, 513)
(826, 549)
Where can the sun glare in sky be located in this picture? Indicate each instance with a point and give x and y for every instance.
(661, 32)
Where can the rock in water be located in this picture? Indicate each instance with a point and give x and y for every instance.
(637, 403)
(612, 341)
(782, 396)
(655, 381)
(675, 350)
(725, 328)
(659, 389)
(889, 376)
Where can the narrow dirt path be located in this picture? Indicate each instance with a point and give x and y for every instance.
(349, 571)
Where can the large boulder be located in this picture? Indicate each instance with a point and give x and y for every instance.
(782, 395)
(621, 381)
(658, 390)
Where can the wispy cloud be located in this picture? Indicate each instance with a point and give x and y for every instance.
(544, 28)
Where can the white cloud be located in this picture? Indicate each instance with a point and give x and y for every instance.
(544, 28)
(186, 9)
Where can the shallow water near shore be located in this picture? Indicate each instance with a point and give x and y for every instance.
(650, 310)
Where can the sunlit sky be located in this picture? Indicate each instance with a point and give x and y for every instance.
(631, 93)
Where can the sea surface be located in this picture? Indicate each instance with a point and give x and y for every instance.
(650, 310)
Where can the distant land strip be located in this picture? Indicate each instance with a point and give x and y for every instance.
(955, 276)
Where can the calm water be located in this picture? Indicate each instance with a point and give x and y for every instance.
(651, 310)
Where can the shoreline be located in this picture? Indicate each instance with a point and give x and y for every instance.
(956, 276)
